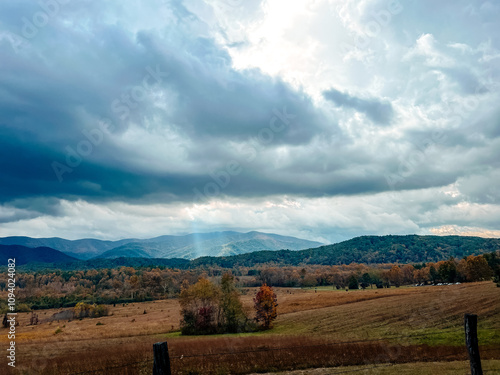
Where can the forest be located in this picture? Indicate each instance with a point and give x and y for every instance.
(408, 249)
(58, 288)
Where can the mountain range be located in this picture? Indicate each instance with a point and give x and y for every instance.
(364, 249)
(187, 247)
(25, 255)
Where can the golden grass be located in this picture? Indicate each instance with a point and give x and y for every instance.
(410, 311)
(306, 318)
(417, 368)
(123, 321)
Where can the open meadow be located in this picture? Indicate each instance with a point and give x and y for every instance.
(400, 330)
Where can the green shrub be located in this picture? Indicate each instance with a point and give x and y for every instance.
(85, 310)
(100, 310)
(23, 307)
(353, 282)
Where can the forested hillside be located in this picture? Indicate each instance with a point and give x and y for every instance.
(368, 249)
(365, 249)
(24, 255)
(188, 246)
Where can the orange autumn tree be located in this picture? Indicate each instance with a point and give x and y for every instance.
(266, 304)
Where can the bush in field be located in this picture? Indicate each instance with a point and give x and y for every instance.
(353, 282)
(266, 306)
(100, 310)
(207, 308)
(85, 310)
(23, 307)
(200, 308)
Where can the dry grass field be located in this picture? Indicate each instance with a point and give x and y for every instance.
(416, 368)
(415, 327)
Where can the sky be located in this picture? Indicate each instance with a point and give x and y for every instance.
(319, 119)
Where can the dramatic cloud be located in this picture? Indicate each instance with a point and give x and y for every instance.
(323, 119)
(378, 111)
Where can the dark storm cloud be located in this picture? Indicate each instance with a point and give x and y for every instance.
(66, 79)
(95, 61)
(114, 114)
(216, 101)
(380, 112)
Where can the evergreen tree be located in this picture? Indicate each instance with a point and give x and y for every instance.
(434, 275)
(353, 282)
(448, 271)
(234, 318)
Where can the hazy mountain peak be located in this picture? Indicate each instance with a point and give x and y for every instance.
(187, 246)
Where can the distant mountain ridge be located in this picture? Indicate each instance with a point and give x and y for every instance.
(25, 255)
(367, 249)
(364, 249)
(188, 247)
(83, 249)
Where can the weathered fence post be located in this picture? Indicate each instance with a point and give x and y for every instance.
(161, 364)
(472, 344)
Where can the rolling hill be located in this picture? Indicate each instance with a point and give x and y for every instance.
(207, 244)
(188, 246)
(81, 249)
(25, 255)
(365, 249)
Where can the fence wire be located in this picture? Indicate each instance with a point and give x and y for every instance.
(299, 346)
(112, 367)
(180, 357)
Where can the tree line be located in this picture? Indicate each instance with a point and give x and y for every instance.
(56, 288)
(470, 269)
(409, 249)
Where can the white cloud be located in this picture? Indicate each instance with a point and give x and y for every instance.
(232, 63)
(454, 230)
(427, 47)
(323, 219)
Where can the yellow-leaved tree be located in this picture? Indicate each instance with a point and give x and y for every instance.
(208, 308)
(266, 306)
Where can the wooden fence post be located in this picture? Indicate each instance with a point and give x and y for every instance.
(470, 323)
(161, 364)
